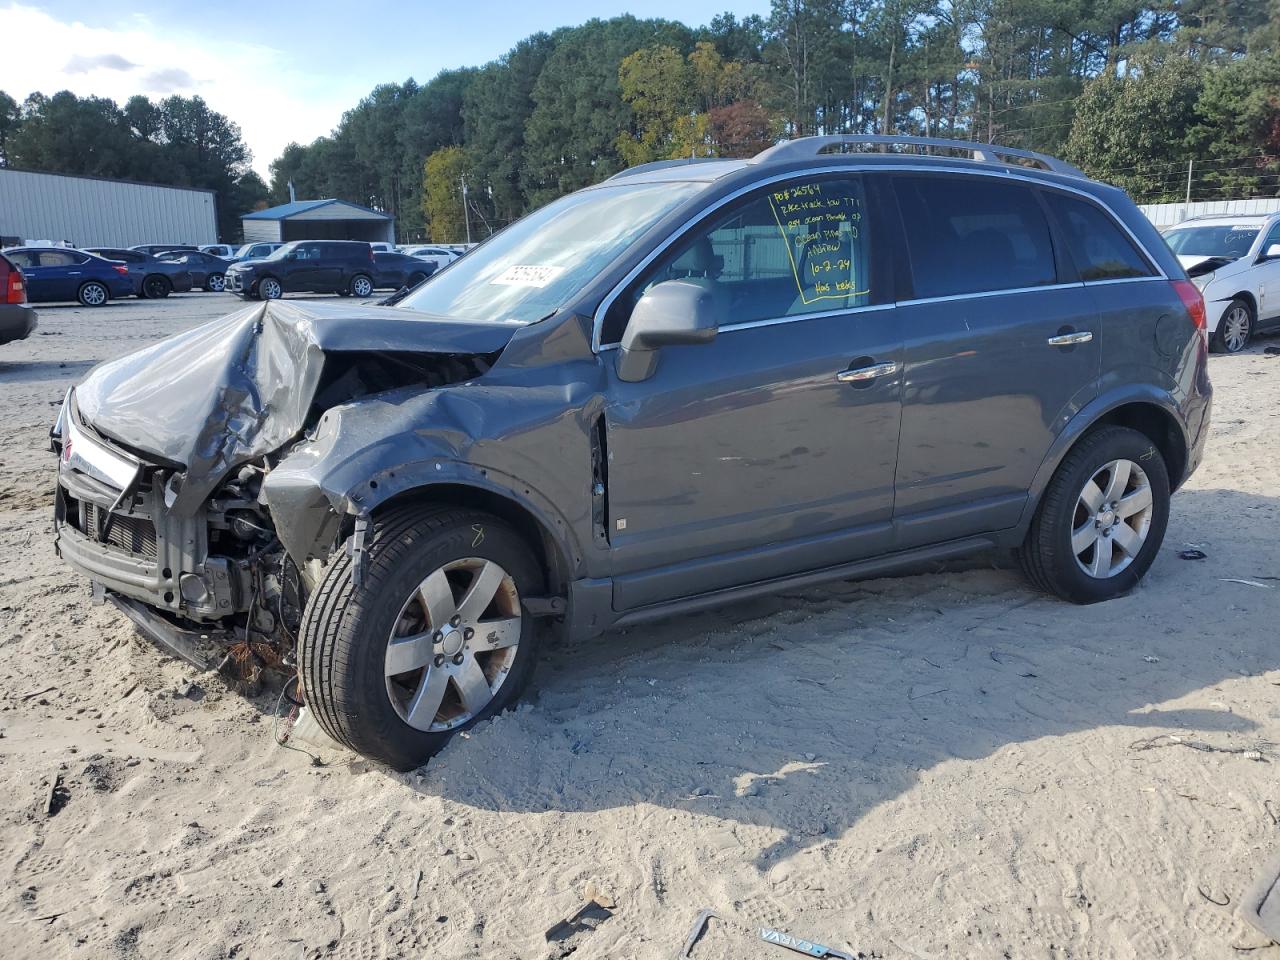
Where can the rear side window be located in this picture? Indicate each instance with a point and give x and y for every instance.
(56, 258)
(974, 235)
(796, 248)
(1098, 246)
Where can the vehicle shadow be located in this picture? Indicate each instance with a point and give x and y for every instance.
(797, 714)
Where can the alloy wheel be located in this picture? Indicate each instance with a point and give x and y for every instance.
(1235, 329)
(453, 644)
(217, 282)
(1112, 519)
(361, 287)
(270, 289)
(93, 295)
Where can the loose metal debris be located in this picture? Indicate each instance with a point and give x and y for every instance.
(799, 945)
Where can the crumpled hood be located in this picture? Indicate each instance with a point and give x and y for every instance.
(241, 387)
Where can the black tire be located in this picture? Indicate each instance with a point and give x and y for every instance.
(1220, 342)
(345, 629)
(361, 286)
(215, 283)
(93, 294)
(1046, 555)
(269, 288)
(344, 293)
(416, 279)
(156, 287)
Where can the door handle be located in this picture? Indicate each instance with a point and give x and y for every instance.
(862, 374)
(1069, 339)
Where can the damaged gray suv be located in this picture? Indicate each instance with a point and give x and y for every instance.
(689, 384)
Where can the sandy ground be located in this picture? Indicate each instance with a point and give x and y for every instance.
(941, 765)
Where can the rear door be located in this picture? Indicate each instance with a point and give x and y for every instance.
(758, 454)
(1002, 347)
(306, 267)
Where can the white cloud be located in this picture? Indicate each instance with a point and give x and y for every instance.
(272, 99)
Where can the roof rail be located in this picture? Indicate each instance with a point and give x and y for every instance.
(806, 147)
(660, 165)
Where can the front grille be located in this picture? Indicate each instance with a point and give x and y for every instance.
(134, 534)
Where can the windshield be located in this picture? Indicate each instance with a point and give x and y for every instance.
(529, 270)
(1227, 241)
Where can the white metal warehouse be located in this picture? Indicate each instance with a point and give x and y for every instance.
(318, 220)
(92, 212)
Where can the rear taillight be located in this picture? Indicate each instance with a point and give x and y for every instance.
(1193, 300)
(15, 291)
(121, 269)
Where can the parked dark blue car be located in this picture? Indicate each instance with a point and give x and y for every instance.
(58, 273)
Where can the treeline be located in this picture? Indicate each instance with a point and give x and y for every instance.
(1130, 89)
(177, 141)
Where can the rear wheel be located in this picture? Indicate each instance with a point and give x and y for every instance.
(156, 287)
(361, 286)
(1102, 519)
(92, 294)
(215, 283)
(416, 279)
(1234, 329)
(433, 640)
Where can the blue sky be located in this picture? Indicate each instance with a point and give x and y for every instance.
(283, 71)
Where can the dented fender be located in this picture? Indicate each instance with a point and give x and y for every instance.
(528, 444)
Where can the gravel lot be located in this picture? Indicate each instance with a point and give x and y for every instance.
(940, 765)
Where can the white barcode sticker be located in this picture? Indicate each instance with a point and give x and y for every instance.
(527, 275)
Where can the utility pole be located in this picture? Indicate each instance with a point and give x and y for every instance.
(466, 218)
(1189, 163)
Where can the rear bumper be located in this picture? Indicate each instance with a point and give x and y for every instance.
(17, 320)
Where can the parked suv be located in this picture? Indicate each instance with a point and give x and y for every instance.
(345, 267)
(153, 278)
(1234, 261)
(691, 384)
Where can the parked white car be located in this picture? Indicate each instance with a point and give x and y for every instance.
(441, 256)
(224, 250)
(1235, 261)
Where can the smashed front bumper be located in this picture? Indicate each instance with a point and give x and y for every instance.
(112, 525)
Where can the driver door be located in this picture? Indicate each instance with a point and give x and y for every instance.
(757, 455)
(1268, 286)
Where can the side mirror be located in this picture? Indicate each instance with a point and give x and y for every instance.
(1272, 252)
(669, 314)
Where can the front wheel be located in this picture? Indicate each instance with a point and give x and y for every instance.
(269, 289)
(361, 286)
(1234, 329)
(433, 639)
(1101, 520)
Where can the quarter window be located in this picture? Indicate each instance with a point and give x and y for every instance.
(974, 234)
(1098, 247)
(797, 248)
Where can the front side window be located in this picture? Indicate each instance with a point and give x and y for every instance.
(1272, 238)
(973, 234)
(1099, 248)
(795, 248)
